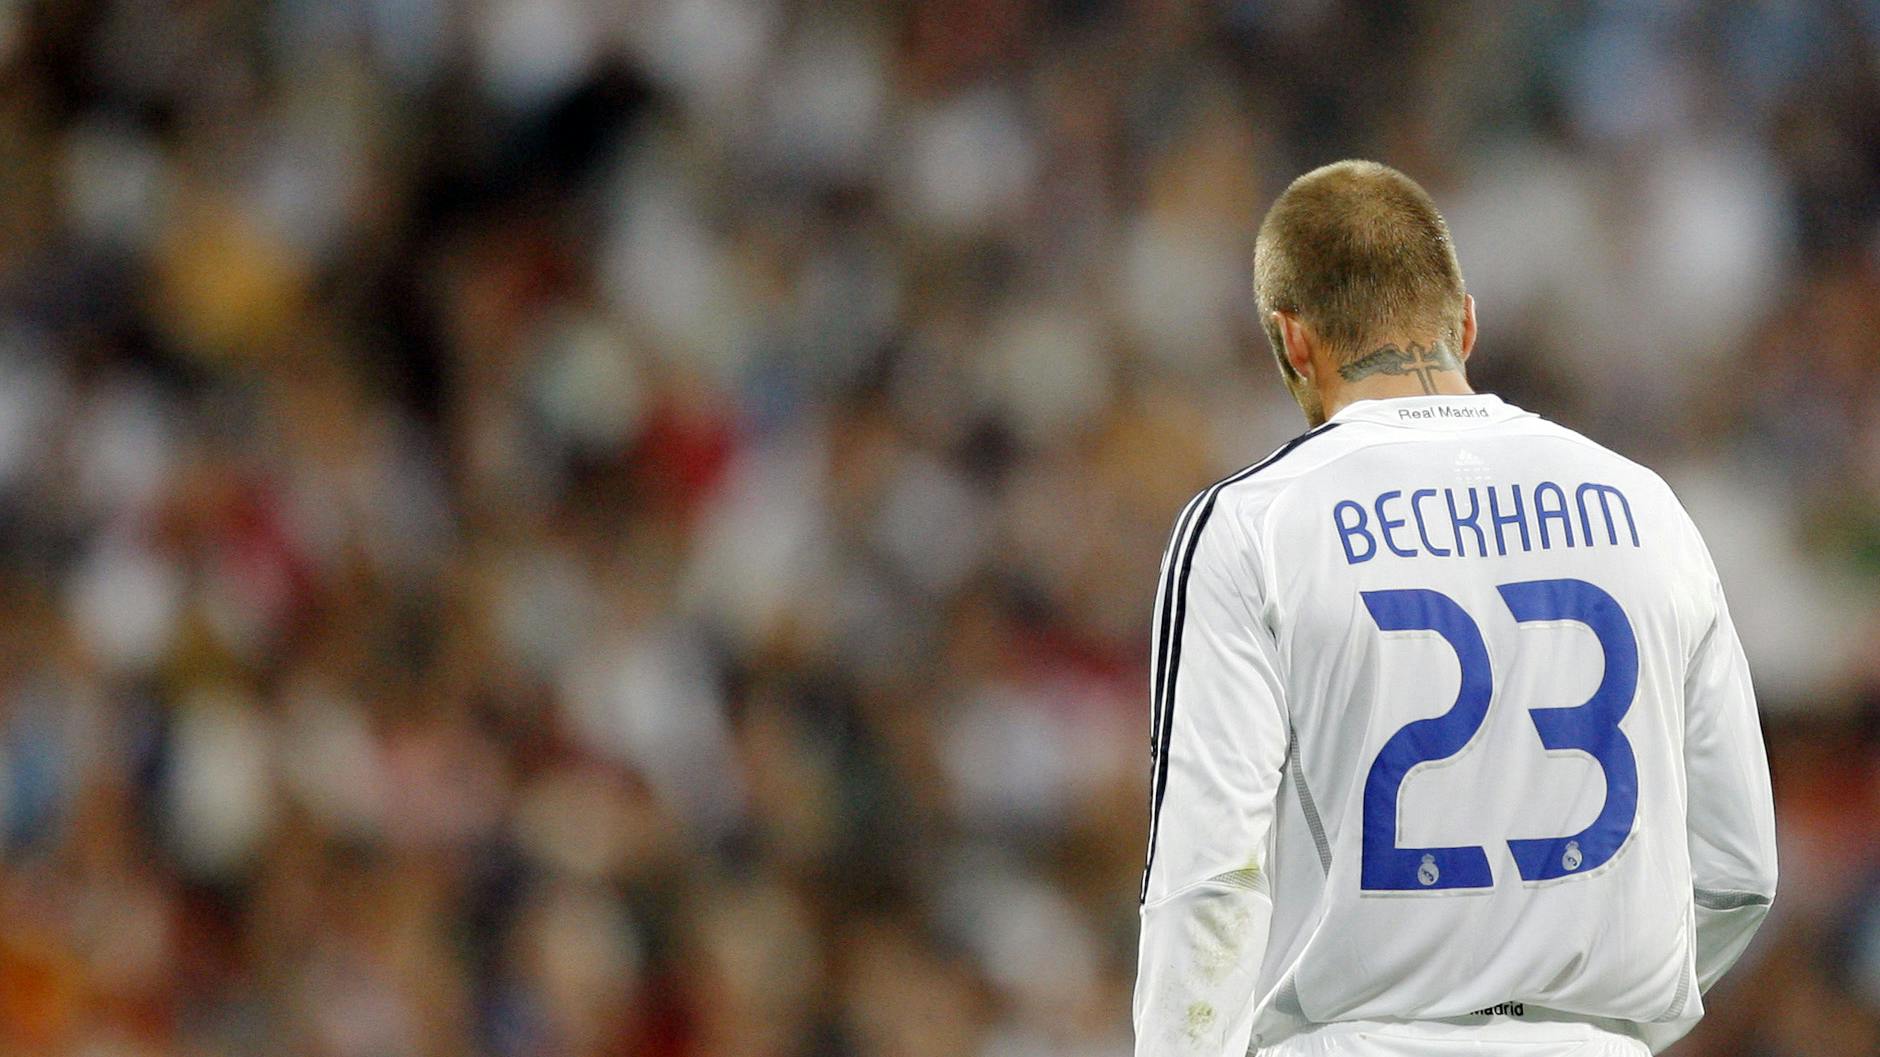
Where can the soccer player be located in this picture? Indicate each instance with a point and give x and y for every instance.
(1455, 750)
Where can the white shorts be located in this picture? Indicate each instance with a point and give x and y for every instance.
(1438, 1039)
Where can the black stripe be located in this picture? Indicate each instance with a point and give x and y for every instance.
(1172, 639)
(1167, 616)
(1159, 690)
(1165, 613)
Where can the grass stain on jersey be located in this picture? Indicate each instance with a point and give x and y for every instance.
(1197, 1020)
(1219, 930)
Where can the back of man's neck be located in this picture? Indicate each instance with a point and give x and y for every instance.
(1393, 370)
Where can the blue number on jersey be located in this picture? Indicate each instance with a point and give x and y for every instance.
(1385, 865)
(1592, 728)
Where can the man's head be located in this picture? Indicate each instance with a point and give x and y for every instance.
(1351, 258)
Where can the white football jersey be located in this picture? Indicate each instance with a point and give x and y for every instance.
(1450, 723)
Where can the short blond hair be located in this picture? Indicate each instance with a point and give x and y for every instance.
(1359, 252)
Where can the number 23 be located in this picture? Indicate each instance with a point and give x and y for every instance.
(1592, 728)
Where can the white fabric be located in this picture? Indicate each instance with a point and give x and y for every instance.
(1366, 1039)
(1279, 689)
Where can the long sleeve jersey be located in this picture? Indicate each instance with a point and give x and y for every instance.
(1449, 721)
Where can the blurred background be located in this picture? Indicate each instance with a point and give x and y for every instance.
(603, 527)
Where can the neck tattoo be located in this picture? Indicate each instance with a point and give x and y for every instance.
(1416, 359)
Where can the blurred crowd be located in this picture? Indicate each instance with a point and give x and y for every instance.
(627, 527)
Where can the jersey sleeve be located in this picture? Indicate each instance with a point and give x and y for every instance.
(1731, 815)
(1219, 732)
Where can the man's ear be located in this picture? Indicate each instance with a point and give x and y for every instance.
(1468, 325)
(1299, 342)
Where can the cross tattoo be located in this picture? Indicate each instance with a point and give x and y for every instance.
(1417, 360)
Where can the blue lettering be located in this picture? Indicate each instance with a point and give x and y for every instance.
(1458, 523)
(1551, 509)
(1346, 532)
(1423, 533)
(1385, 523)
(1518, 518)
(1542, 514)
(1612, 529)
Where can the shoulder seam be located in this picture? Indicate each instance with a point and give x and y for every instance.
(1568, 433)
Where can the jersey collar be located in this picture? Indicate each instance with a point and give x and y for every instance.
(1464, 411)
